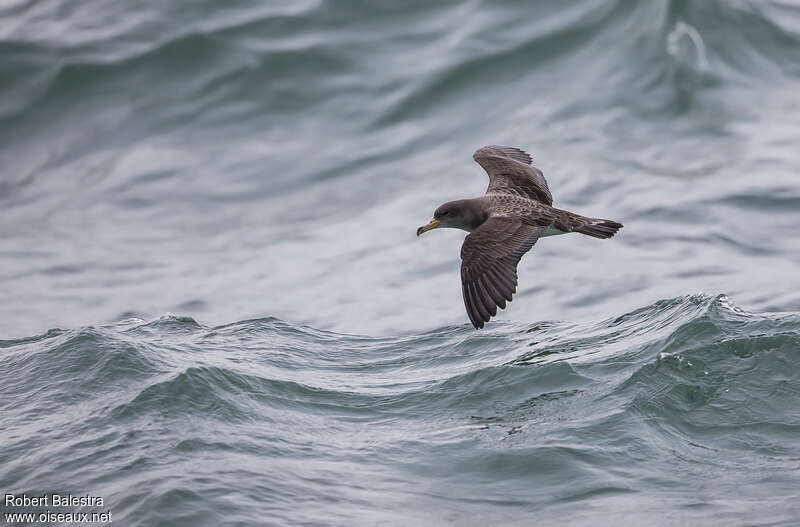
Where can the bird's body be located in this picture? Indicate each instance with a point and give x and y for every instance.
(504, 224)
(555, 221)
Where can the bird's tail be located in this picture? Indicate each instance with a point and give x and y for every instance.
(599, 228)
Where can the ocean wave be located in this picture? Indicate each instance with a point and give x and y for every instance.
(682, 342)
(684, 382)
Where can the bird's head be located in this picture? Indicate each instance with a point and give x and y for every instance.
(461, 214)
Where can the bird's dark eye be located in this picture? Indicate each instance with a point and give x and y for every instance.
(443, 213)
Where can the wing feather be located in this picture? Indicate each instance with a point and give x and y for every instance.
(490, 288)
(489, 259)
(510, 171)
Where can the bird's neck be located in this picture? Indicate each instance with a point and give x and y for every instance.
(476, 213)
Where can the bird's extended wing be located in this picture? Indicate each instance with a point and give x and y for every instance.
(510, 171)
(489, 260)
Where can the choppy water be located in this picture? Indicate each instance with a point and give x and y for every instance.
(207, 207)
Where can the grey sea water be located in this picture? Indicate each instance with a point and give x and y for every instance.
(215, 310)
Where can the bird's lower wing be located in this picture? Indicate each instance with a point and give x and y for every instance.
(489, 259)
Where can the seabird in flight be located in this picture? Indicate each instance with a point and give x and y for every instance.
(504, 224)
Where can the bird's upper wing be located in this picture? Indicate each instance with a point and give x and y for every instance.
(510, 171)
(489, 260)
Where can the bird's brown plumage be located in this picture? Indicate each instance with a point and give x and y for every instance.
(489, 258)
(518, 211)
(510, 171)
(490, 253)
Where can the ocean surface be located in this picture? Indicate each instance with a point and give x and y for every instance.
(215, 310)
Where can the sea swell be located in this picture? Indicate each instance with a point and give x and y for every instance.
(661, 391)
(695, 332)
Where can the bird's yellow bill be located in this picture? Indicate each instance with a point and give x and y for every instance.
(431, 225)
